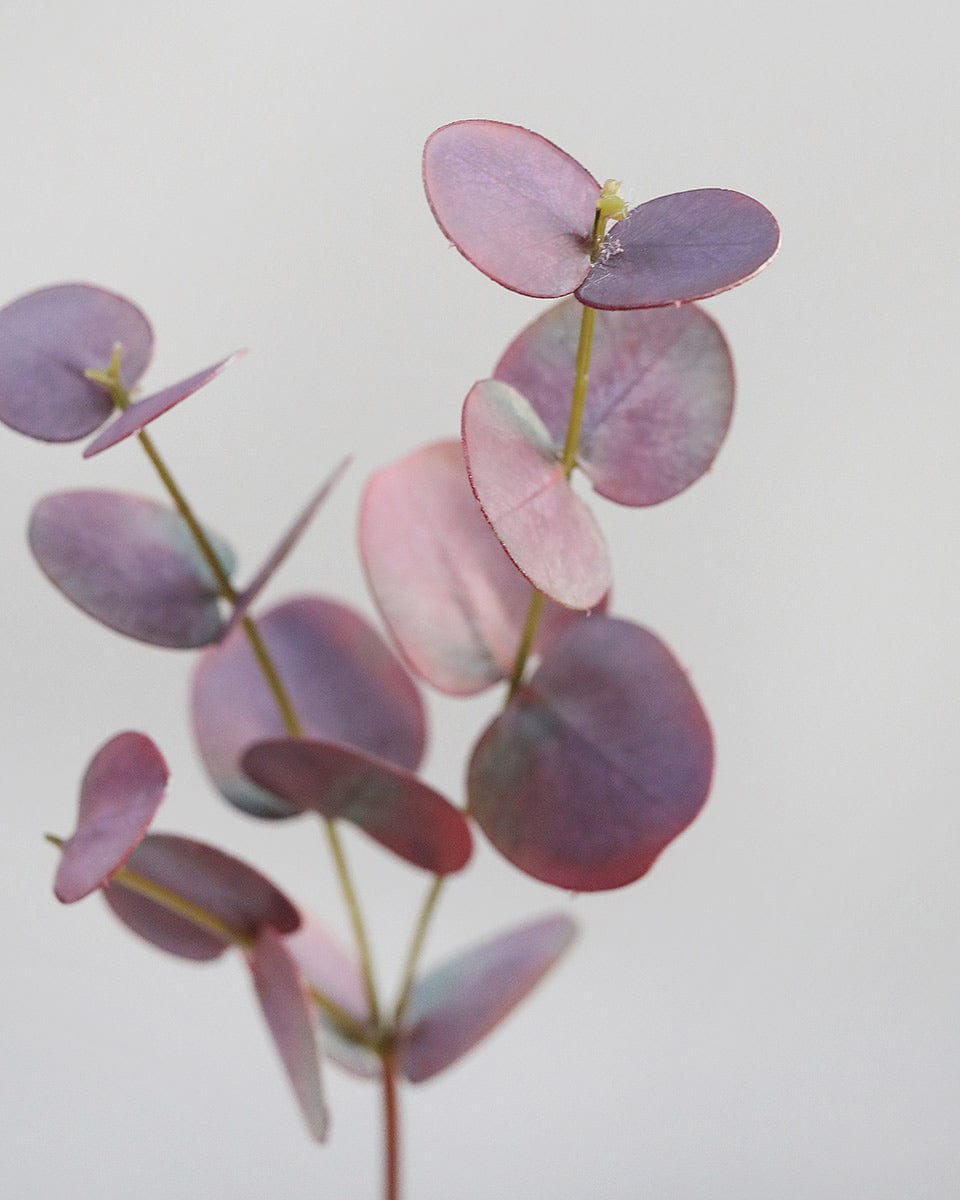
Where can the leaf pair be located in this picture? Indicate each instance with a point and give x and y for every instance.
(522, 211)
(51, 338)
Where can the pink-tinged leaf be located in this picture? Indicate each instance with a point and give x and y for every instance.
(515, 205)
(48, 339)
(130, 563)
(233, 894)
(389, 804)
(331, 969)
(659, 401)
(292, 1020)
(516, 475)
(120, 794)
(681, 247)
(456, 1005)
(142, 412)
(344, 683)
(452, 599)
(597, 764)
(286, 544)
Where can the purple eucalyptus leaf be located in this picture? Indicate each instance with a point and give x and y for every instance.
(227, 890)
(331, 969)
(142, 412)
(130, 563)
(286, 544)
(660, 396)
(389, 804)
(456, 1005)
(516, 475)
(345, 685)
(292, 1021)
(120, 794)
(686, 246)
(452, 599)
(48, 339)
(517, 206)
(597, 764)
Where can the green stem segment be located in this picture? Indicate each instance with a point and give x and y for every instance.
(391, 1127)
(609, 205)
(111, 380)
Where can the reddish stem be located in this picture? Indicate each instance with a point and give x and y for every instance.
(391, 1129)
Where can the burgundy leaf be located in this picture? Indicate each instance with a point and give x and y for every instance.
(142, 412)
(681, 247)
(130, 563)
(228, 890)
(48, 339)
(596, 765)
(286, 544)
(517, 206)
(344, 683)
(451, 597)
(331, 969)
(292, 1020)
(517, 477)
(120, 794)
(389, 804)
(456, 1005)
(659, 401)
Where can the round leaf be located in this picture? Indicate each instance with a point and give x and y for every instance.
(120, 794)
(596, 765)
(681, 247)
(142, 412)
(659, 401)
(452, 599)
(515, 473)
(216, 883)
(292, 1021)
(130, 563)
(517, 206)
(48, 339)
(389, 804)
(344, 683)
(457, 1004)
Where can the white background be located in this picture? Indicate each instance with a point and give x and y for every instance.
(773, 1011)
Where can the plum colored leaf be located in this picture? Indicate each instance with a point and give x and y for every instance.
(283, 548)
(130, 563)
(452, 599)
(456, 1005)
(597, 764)
(328, 966)
(391, 805)
(686, 246)
(229, 890)
(48, 338)
(515, 473)
(344, 682)
(660, 396)
(515, 205)
(120, 794)
(142, 412)
(292, 1020)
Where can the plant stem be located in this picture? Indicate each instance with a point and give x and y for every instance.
(391, 1128)
(111, 380)
(535, 611)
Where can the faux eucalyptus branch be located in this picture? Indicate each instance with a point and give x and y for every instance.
(488, 569)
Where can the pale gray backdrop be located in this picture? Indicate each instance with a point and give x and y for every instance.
(773, 1012)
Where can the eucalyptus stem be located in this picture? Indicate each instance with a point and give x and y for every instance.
(391, 1127)
(609, 205)
(111, 380)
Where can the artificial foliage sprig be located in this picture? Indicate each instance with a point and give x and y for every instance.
(487, 568)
